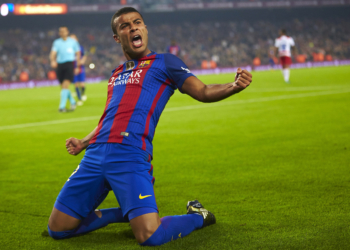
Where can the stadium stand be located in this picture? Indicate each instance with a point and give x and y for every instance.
(226, 43)
(137, 1)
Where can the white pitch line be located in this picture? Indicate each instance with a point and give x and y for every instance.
(261, 99)
(260, 90)
(292, 89)
(191, 107)
(34, 124)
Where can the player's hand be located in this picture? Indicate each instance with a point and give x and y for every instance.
(53, 64)
(76, 71)
(243, 79)
(74, 146)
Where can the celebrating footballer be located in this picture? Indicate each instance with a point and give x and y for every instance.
(119, 150)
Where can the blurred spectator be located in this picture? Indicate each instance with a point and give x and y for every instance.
(256, 61)
(173, 48)
(329, 58)
(23, 76)
(301, 58)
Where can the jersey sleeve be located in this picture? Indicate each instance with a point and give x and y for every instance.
(177, 70)
(292, 42)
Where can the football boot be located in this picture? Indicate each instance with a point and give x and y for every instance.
(194, 207)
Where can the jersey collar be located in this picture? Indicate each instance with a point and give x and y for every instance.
(148, 55)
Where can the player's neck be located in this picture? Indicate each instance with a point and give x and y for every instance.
(64, 38)
(138, 56)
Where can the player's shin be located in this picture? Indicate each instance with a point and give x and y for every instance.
(286, 74)
(78, 93)
(64, 97)
(174, 227)
(71, 99)
(92, 222)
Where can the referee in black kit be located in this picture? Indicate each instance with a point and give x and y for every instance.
(64, 52)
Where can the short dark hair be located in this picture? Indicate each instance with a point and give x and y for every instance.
(284, 31)
(120, 12)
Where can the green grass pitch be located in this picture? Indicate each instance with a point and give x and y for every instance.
(272, 163)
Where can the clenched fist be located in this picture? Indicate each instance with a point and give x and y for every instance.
(74, 146)
(243, 79)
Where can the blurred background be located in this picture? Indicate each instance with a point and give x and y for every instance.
(209, 33)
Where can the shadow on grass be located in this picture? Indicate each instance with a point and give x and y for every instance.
(98, 239)
(124, 237)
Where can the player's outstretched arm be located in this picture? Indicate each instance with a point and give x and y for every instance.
(74, 146)
(53, 61)
(77, 58)
(216, 92)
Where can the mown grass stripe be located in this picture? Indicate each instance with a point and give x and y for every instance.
(190, 107)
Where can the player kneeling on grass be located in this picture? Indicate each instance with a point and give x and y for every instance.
(119, 150)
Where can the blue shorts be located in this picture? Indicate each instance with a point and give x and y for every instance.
(79, 78)
(125, 169)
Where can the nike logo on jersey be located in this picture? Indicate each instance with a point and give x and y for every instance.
(142, 197)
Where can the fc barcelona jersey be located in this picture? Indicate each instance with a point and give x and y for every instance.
(138, 91)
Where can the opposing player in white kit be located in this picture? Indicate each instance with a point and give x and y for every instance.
(284, 47)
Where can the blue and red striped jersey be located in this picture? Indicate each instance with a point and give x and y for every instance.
(138, 91)
(173, 49)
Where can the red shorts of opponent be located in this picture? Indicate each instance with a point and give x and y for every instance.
(285, 60)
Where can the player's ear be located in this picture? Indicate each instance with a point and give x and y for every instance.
(116, 38)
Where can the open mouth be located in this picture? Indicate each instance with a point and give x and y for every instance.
(137, 41)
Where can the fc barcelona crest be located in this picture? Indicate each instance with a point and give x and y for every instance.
(130, 65)
(144, 64)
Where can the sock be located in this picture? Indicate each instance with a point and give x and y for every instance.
(91, 223)
(64, 97)
(82, 90)
(59, 235)
(78, 93)
(71, 99)
(286, 73)
(174, 227)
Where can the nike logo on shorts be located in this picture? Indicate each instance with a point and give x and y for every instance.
(142, 197)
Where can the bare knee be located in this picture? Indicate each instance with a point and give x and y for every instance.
(65, 84)
(142, 236)
(60, 221)
(144, 226)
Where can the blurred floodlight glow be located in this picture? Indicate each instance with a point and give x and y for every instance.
(40, 9)
(11, 7)
(4, 9)
(92, 66)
